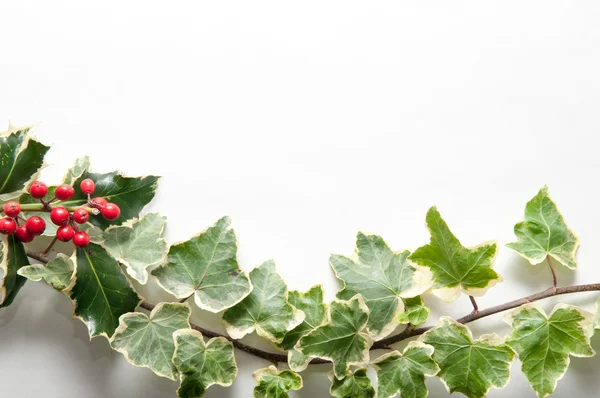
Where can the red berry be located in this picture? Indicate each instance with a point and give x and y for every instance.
(38, 190)
(87, 186)
(7, 226)
(59, 215)
(81, 216)
(35, 225)
(81, 239)
(23, 234)
(111, 211)
(64, 192)
(99, 202)
(65, 233)
(12, 209)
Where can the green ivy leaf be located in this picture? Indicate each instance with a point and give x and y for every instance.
(455, 268)
(12, 258)
(469, 366)
(206, 267)
(545, 233)
(353, 385)
(275, 384)
(58, 272)
(382, 277)
(202, 364)
(415, 311)
(344, 339)
(404, 373)
(545, 343)
(147, 341)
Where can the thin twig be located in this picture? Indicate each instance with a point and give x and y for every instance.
(45, 252)
(554, 281)
(475, 306)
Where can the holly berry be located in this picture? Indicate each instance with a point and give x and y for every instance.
(81, 239)
(99, 202)
(81, 216)
(64, 192)
(12, 209)
(7, 226)
(111, 211)
(59, 215)
(35, 225)
(23, 234)
(65, 233)
(87, 186)
(38, 190)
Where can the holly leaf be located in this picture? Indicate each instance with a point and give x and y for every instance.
(544, 232)
(266, 309)
(12, 258)
(353, 385)
(206, 267)
(455, 268)
(202, 364)
(80, 166)
(58, 272)
(415, 311)
(344, 339)
(138, 244)
(275, 384)
(545, 343)
(404, 373)
(147, 341)
(471, 367)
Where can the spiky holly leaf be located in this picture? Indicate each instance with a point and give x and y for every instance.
(138, 244)
(147, 341)
(455, 267)
(58, 272)
(344, 339)
(354, 385)
(404, 373)
(202, 364)
(80, 166)
(415, 311)
(311, 303)
(545, 343)
(206, 267)
(469, 366)
(382, 277)
(12, 258)
(266, 309)
(544, 232)
(275, 384)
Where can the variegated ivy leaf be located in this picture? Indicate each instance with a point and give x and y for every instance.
(311, 303)
(415, 311)
(404, 373)
(202, 364)
(275, 384)
(353, 385)
(138, 244)
(266, 309)
(544, 232)
(382, 277)
(12, 258)
(58, 272)
(147, 341)
(469, 366)
(455, 268)
(96, 234)
(344, 339)
(80, 166)
(206, 267)
(545, 343)
(597, 320)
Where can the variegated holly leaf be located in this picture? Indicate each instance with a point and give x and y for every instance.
(12, 258)
(311, 303)
(545, 343)
(455, 268)
(80, 166)
(344, 339)
(147, 341)
(469, 366)
(544, 232)
(382, 277)
(138, 244)
(58, 272)
(206, 267)
(202, 364)
(354, 385)
(266, 309)
(404, 373)
(415, 311)
(275, 384)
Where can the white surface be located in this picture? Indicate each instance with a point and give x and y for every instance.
(306, 122)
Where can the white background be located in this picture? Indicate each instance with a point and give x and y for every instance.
(306, 122)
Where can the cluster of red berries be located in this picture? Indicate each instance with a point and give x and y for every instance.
(65, 220)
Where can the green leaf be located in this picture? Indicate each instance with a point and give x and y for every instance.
(469, 366)
(148, 341)
(353, 385)
(58, 272)
(545, 343)
(597, 319)
(344, 339)
(266, 309)
(404, 373)
(415, 311)
(12, 258)
(311, 303)
(101, 293)
(455, 268)
(138, 244)
(202, 364)
(275, 384)
(543, 233)
(382, 277)
(80, 166)
(206, 267)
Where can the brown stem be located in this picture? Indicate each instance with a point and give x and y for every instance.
(45, 252)
(554, 282)
(475, 306)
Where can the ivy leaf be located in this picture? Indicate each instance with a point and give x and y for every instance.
(545, 233)
(138, 244)
(382, 277)
(404, 373)
(455, 268)
(353, 385)
(469, 366)
(545, 343)
(206, 267)
(80, 166)
(275, 384)
(415, 311)
(344, 339)
(147, 341)
(58, 272)
(12, 258)
(101, 293)
(202, 364)
(311, 303)
(597, 320)
(265, 309)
